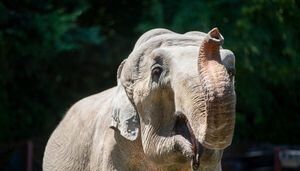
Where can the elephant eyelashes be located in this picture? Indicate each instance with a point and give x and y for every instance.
(231, 72)
(156, 72)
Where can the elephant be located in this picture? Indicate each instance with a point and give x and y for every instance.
(173, 108)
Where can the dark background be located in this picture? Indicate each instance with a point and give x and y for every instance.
(53, 53)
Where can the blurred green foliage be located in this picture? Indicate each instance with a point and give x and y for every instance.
(55, 53)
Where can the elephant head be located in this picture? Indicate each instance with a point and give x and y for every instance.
(176, 92)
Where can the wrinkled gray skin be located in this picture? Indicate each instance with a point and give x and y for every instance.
(131, 126)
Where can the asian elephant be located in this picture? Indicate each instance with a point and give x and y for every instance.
(173, 109)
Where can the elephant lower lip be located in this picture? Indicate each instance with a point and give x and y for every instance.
(182, 127)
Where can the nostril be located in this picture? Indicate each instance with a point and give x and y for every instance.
(214, 33)
(215, 37)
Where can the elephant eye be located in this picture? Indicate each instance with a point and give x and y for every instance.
(231, 72)
(156, 72)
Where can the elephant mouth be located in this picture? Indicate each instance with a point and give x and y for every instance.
(183, 128)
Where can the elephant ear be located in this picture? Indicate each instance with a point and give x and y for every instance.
(124, 115)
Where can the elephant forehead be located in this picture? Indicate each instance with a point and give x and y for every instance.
(183, 60)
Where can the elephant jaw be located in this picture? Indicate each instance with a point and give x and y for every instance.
(182, 127)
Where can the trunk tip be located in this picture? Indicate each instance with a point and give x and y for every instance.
(215, 35)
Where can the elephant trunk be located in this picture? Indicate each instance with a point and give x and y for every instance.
(218, 118)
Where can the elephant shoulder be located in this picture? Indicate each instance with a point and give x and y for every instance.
(94, 100)
(89, 107)
(72, 140)
(83, 115)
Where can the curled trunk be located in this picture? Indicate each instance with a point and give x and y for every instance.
(218, 91)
